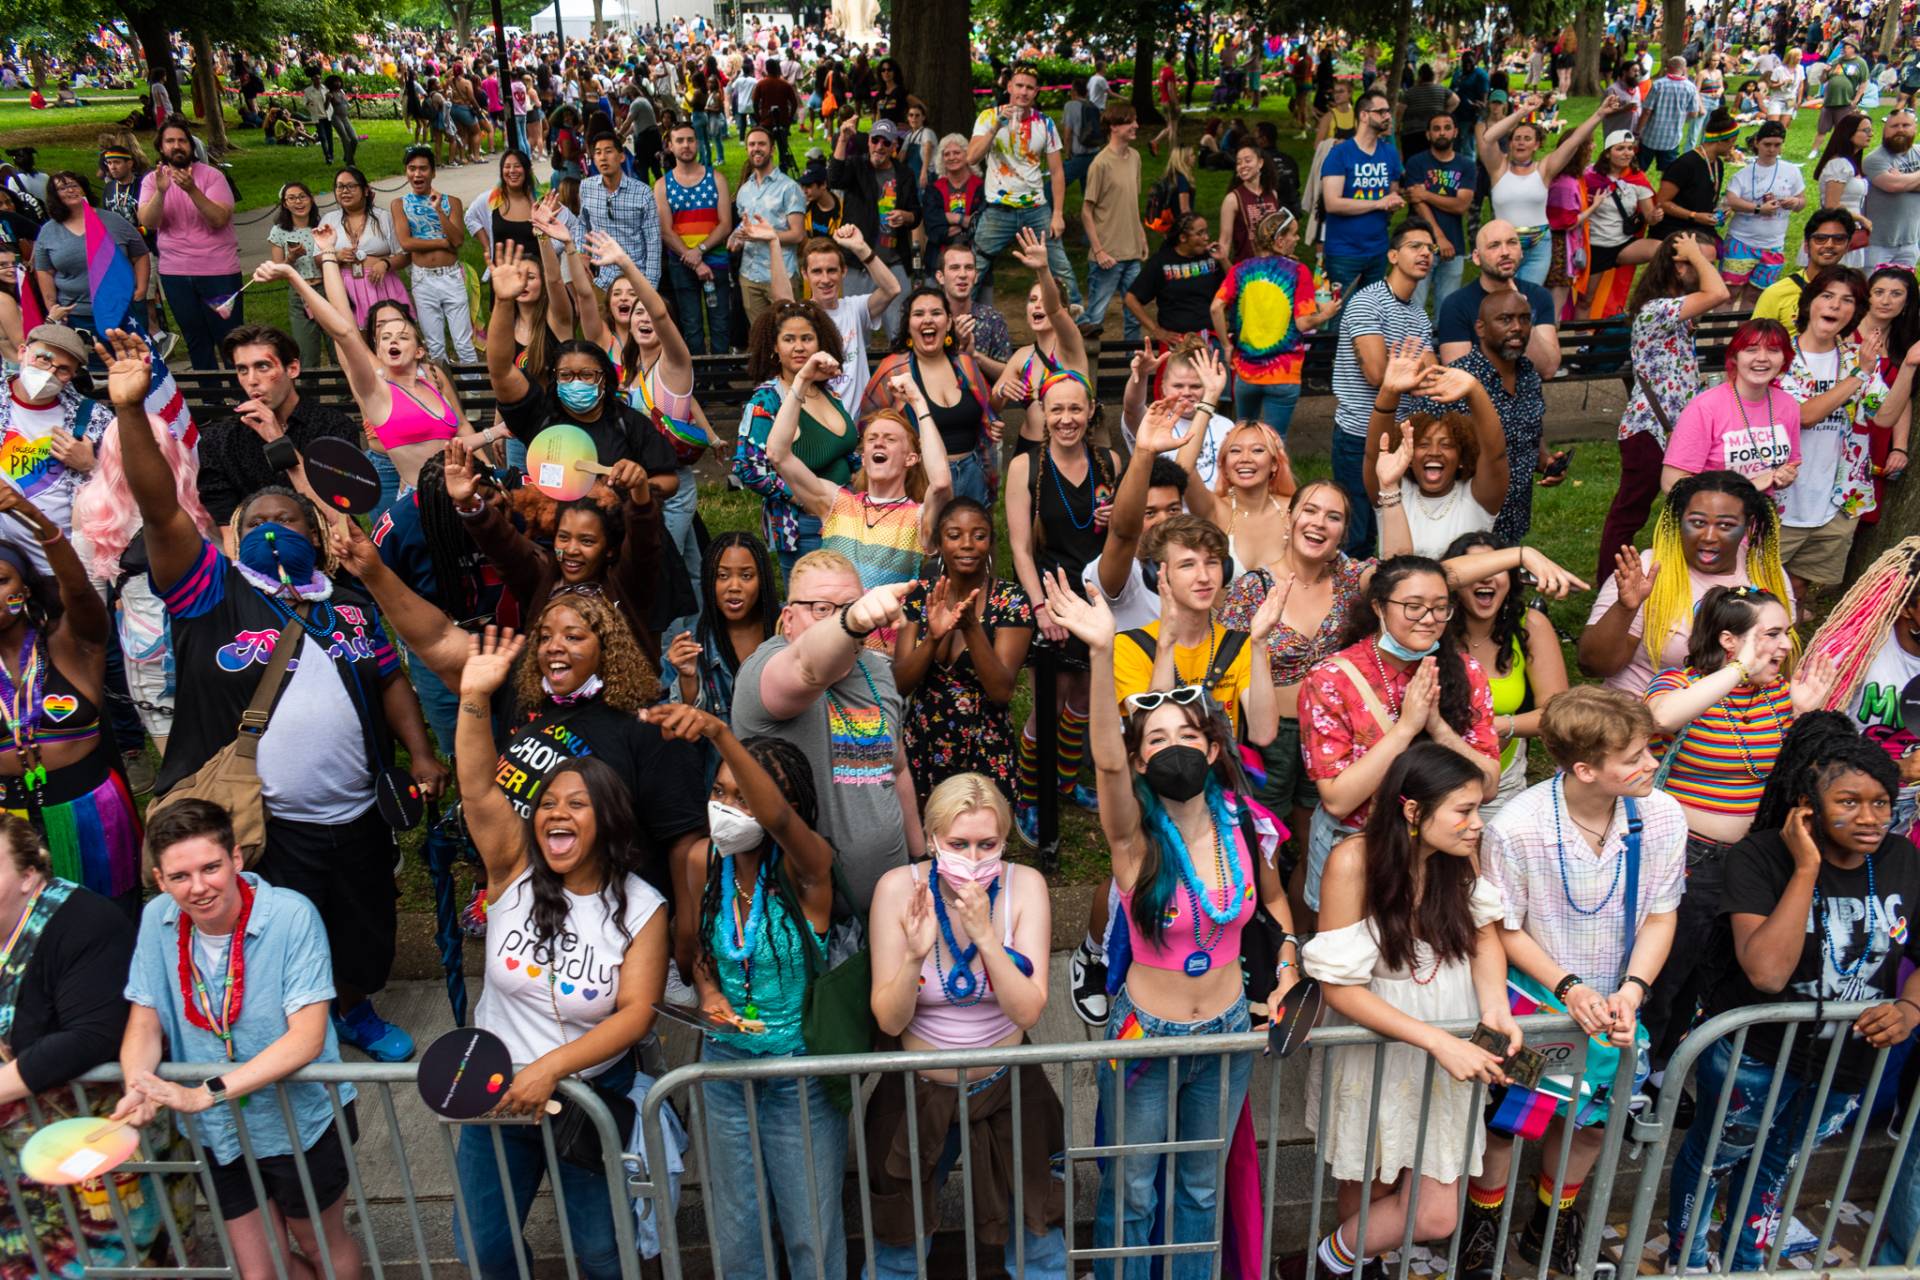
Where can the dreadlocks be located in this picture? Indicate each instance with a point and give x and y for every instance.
(791, 772)
(1819, 747)
(455, 588)
(1855, 631)
(1670, 604)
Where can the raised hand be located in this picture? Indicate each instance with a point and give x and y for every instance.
(1405, 366)
(490, 658)
(510, 271)
(1549, 577)
(1267, 617)
(1390, 466)
(628, 477)
(1213, 376)
(758, 228)
(922, 930)
(820, 367)
(604, 251)
(944, 613)
(129, 363)
(1156, 433)
(323, 239)
(461, 479)
(1634, 580)
(1030, 250)
(1089, 621)
(1812, 683)
(907, 389)
(1447, 385)
(352, 548)
(1146, 365)
(271, 270)
(850, 238)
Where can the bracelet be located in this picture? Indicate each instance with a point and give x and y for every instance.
(1378, 408)
(1910, 1004)
(1898, 449)
(1741, 667)
(58, 534)
(1565, 985)
(1641, 983)
(848, 627)
(1386, 502)
(868, 260)
(1208, 406)
(478, 509)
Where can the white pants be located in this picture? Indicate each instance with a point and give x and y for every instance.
(440, 305)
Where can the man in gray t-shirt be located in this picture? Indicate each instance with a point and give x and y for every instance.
(1892, 204)
(817, 686)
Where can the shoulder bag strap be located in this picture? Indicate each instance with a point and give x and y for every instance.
(1148, 645)
(253, 721)
(1375, 707)
(1632, 855)
(1223, 658)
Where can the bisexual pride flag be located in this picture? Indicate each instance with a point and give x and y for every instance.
(109, 275)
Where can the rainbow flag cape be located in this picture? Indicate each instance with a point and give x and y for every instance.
(109, 275)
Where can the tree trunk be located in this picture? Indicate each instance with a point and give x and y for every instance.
(599, 24)
(931, 39)
(1673, 29)
(461, 11)
(206, 82)
(1145, 37)
(37, 67)
(1402, 51)
(1889, 29)
(156, 46)
(1586, 62)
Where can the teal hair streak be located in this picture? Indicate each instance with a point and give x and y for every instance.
(1150, 900)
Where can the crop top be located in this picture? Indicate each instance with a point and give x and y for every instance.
(1185, 929)
(410, 421)
(947, 1024)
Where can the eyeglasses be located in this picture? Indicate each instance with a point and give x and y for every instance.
(577, 375)
(1184, 696)
(820, 609)
(1420, 611)
(43, 359)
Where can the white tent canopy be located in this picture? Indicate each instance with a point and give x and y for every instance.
(577, 15)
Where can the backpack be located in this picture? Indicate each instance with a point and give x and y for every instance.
(1162, 198)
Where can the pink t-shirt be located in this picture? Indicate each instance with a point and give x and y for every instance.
(491, 88)
(1718, 431)
(189, 246)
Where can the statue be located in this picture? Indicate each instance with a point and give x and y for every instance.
(855, 21)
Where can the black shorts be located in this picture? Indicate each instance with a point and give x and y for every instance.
(346, 871)
(1603, 258)
(280, 1177)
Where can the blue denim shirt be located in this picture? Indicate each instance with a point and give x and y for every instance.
(288, 968)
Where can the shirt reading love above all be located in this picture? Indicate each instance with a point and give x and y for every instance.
(1539, 859)
(313, 756)
(1133, 668)
(1265, 299)
(1366, 175)
(288, 968)
(1727, 751)
(190, 245)
(1017, 164)
(542, 995)
(1375, 311)
(851, 732)
(1337, 730)
(1852, 947)
(1835, 475)
(1719, 430)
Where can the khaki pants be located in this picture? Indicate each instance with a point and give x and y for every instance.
(757, 297)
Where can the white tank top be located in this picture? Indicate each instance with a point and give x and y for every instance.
(537, 999)
(1521, 198)
(1436, 522)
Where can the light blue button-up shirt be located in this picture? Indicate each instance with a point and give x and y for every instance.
(775, 198)
(288, 967)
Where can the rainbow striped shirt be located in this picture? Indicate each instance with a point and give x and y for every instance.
(881, 538)
(1727, 752)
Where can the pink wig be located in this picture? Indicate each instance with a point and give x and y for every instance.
(104, 511)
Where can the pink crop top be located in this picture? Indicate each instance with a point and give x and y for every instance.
(973, 1024)
(411, 422)
(1189, 941)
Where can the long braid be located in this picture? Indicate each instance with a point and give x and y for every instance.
(1858, 626)
(1817, 742)
(793, 774)
(445, 535)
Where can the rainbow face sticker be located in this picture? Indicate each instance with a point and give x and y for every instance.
(71, 1151)
(553, 462)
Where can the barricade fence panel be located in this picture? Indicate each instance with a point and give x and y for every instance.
(782, 1180)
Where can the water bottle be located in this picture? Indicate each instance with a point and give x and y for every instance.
(706, 287)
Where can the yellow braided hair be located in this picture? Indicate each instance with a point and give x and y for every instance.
(1669, 605)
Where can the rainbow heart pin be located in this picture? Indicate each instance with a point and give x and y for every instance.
(1898, 929)
(59, 706)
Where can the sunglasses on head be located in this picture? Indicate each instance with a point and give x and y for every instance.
(1185, 696)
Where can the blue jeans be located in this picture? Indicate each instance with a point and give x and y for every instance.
(1760, 1222)
(1440, 282)
(1106, 283)
(1537, 258)
(389, 481)
(809, 540)
(1189, 1088)
(1000, 224)
(1074, 169)
(1270, 402)
(710, 131)
(970, 479)
(191, 299)
(1351, 271)
(1349, 463)
(1903, 1211)
(810, 1230)
(438, 704)
(678, 513)
(688, 292)
(589, 1202)
(1046, 1255)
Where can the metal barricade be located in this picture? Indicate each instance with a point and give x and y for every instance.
(1732, 1030)
(409, 1214)
(686, 1087)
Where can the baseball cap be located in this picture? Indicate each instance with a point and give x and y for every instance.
(1617, 137)
(60, 338)
(815, 175)
(886, 131)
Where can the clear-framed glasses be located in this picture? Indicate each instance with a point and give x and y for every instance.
(818, 608)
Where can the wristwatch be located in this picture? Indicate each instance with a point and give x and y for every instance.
(216, 1087)
(281, 455)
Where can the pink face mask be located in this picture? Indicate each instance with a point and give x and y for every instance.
(957, 870)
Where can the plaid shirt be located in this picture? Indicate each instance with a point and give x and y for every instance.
(628, 214)
(1670, 102)
(1550, 878)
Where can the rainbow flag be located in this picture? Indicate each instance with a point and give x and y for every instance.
(109, 275)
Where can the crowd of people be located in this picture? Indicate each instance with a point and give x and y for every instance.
(729, 771)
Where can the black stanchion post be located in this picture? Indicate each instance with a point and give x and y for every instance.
(515, 139)
(1046, 714)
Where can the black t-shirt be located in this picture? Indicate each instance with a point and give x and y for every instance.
(15, 227)
(233, 459)
(620, 432)
(1841, 927)
(68, 1016)
(1182, 286)
(1696, 183)
(666, 780)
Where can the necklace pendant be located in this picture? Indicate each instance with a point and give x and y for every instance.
(1198, 962)
(752, 1010)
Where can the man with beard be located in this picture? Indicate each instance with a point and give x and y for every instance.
(188, 207)
(1438, 185)
(770, 196)
(1496, 251)
(696, 217)
(1828, 233)
(1893, 194)
(1498, 361)
(881, 201)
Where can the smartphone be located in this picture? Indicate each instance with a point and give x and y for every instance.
(1558, 467)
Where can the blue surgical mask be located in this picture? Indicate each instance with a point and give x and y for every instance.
(1394, 649)
(268, 548)
(579, 396)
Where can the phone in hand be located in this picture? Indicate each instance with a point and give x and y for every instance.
(1559, 465)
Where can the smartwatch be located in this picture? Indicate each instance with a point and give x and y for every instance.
(281, 455)
(216, 1087)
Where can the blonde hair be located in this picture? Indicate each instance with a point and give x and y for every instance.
(960, 795)
(1180, 161)
(1280, 482)
(1587, 723)
(823, 561)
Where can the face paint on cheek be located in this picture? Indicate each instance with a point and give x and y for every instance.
(15, 601)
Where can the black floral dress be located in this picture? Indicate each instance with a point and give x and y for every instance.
(952, 726)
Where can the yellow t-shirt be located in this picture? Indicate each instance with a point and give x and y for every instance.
(1133, 669)
(1781, 301)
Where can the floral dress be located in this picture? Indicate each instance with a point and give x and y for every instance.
(1294, 653)
(951, 725)
(1852, 478)
(1663, 359)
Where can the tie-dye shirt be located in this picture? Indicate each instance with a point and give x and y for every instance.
(1017, 157)
(1265, 298)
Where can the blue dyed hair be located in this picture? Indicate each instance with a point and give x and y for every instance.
(1158, 878)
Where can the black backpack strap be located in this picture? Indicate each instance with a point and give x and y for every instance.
(1142, 637)
(1224, 657)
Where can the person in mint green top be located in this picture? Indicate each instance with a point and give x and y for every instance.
(768, 892)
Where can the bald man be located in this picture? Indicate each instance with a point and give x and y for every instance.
(1496, 251)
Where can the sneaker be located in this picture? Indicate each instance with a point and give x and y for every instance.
(1712, 1267)
(1567, 1232)
(372, 1035)
(1088, 978)
(1084, 796)
(1476, 1249)
(139, 771)
(1026, 820)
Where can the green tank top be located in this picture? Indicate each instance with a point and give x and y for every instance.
(773, 979)
(1509, 695)
(827, 454)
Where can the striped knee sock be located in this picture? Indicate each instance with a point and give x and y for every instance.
(1544, 1188)
(1335, 1256)
(1486, 1199)
(1073, 746)
(1029, 768)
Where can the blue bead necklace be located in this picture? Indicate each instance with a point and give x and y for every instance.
(1060, 487)
(736, 941)
(1826, 934)
(1233, 890)
(958, 984)
(1560, 848)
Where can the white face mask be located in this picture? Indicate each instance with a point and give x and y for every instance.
(34, 380)
(733, 831)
